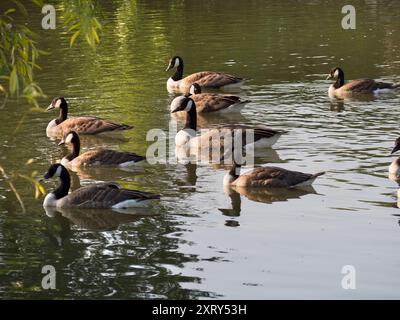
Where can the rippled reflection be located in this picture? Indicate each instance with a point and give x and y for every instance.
(98, 220)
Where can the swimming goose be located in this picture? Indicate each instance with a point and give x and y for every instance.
(394, 168)
(100, 195)
(268, 177)
(263, 136)
(96, 157)
(362, 86)
(207, 79)
(210, 102)
(82, 125)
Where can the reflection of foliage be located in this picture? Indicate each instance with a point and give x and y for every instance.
(18, 60)
(19, 53)
(39, 190)
(79, 16)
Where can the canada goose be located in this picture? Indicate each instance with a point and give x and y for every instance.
(394, 168)
(211, 102)
(263, 136)
(82, 125)
(100, 195)
(362, 86)
(268, 177)
(95, 157)
(207, 79)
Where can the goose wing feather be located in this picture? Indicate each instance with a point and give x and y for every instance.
(272, 177)
(103, 195)
(90, 125)
(365, 85)
(216, 136)
(207, 102)
(259, 131)
(106, 157)
(211, 79)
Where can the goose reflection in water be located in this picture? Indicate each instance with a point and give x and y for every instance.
(268, 196)
(236, 203)
(185, 155)
(337, 105)
(96, 219)
(271, 195)
(105, 173)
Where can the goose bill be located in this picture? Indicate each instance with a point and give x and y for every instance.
(396, 148)
(178, 108)
(170, 66)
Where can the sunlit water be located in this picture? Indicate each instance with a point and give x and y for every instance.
(200, 241)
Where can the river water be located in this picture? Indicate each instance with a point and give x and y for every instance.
(201, 241)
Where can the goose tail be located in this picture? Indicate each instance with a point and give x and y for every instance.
(318, 174)
(125, 127)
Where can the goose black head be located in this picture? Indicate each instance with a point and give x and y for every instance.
(335, 73)
(70, 137)
(186, 104)
(175, 62)
(55, 171)
(396, 146)
(195, 88)
(57, 103)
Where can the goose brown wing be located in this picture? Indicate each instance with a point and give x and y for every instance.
(103, 195)
(365, 85)
(276, 177)
(107, 157)
(211, 79)
(213, 102)
(259, 131)
(91, 125)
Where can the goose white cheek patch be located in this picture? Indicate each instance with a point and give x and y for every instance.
(189, 106)
(336, 74)
(69, 138)
(58, 172)
(176, 63)
(58, 104)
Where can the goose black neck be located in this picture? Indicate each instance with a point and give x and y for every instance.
(191, 119)
(76, 147)
(63, 114)
(233, 171)
(64, 186)
(340, 79)
(179, 72)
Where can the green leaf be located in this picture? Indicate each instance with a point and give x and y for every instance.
(41, 188)
(9, 11)
(77, 25)
(13, 82)
(74, 36)
(96, 23)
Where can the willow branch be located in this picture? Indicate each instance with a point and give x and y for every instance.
(6, 177)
